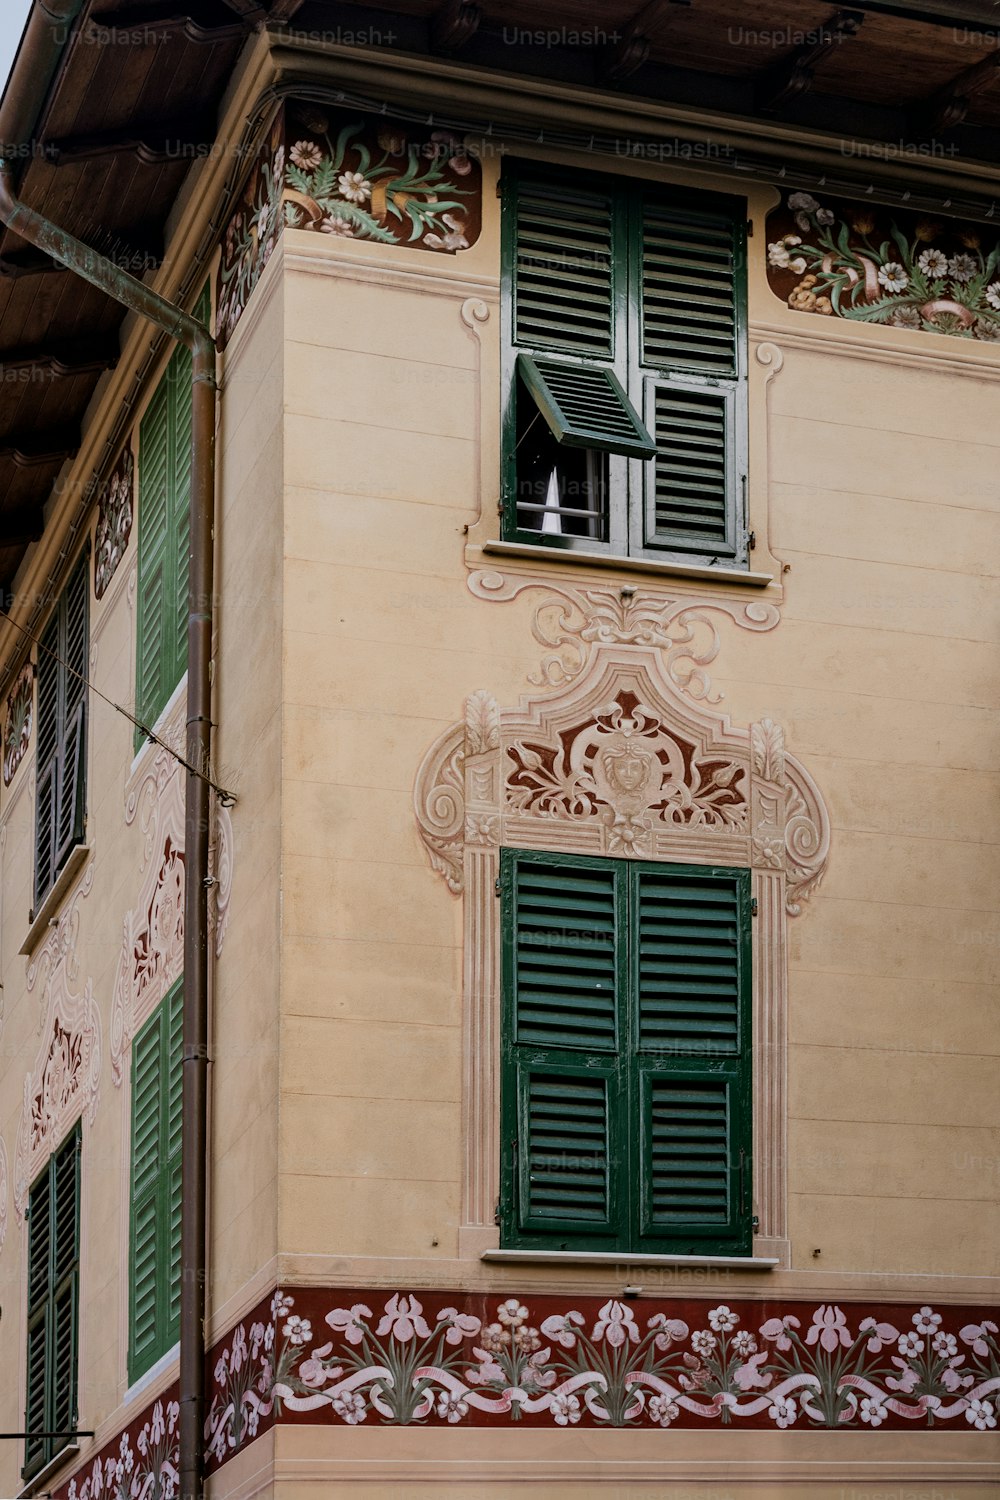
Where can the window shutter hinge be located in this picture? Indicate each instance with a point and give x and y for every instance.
(753, 906)
(496, 885)
(755, 1223)
(496, 1212)
(749, 229)
(751, 540)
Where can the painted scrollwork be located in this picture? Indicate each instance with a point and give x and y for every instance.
(17, 727)
(619, 761)
(570, 622)
(152, 952)
(114, 523)
(65, 1081)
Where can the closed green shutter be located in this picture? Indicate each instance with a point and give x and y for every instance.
(691, 967)
(154, 1276)
(62, 731)
(164, 484)
(563, 1088)
(53, 1305)
(625, 1076)
(692, 312)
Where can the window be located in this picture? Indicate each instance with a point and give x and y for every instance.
(155, 1210)
(625, 1063)
(624, 426)
(53, 1300)
(164, 533)
(61, 775)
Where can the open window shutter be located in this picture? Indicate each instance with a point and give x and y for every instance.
(47, 760)
(154, 562)
(53, 1294)
(180, 510)
(73, 711)
(692, 317)
(691, 974)
(146, 1231)
(39, 1260)
(562, 1093)
(174, 1091)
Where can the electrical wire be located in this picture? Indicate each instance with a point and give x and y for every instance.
(226, 798)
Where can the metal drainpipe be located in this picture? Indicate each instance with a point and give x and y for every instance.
(131, 293)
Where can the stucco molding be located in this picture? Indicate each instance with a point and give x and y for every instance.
(618, 760)
(65, 1081)
(152, 950)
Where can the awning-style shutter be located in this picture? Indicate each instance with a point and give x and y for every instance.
(585, 407)
(156, 1172)
(691, 969)
(693, 318)
(562, 1096)
(563, 268)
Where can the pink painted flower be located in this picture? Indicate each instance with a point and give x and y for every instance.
(559, 1327)
(881, 1334)
(703, 1343)
(158, 1424)
(775, 1329)
(980, 1414)
(952, 1380)
(975, 1334)
(455, 238)
(306, 154)
(671, 1330)
(565, 1410)
(451, 1408)
(460, 1325)
(722, 1320)
(872, 1411)
(348, 1321)
(783, 1411)
(945, 1345)
(829, 1326)
(314, 1373)
(926, 1321)
(403, 1320)
(296, 1330)
(908, 1380)
(616, 1323)
(512, 1313)
(744, 1344)
(351, 1407)
(910, 1346)
(749, 1377)
(663, 1410)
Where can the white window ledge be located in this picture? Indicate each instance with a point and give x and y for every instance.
(39, 920)
(614, 1258)
(669, 569)
(603, 1257)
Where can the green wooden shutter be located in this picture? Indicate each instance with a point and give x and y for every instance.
(154, 1280)
(62, 731)
(691, 977)
(53, 1305)
(563, 1094)
(164, 485)
(692, 335)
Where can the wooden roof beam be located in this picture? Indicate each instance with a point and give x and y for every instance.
(793, 76)
(32, 450)
(153, 143)
(949, 107)
(453, 24)
(282, 11)
(75, 357)
(632, 49)
(157, 21)
(28, 263)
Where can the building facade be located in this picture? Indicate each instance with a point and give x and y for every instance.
(603, 936)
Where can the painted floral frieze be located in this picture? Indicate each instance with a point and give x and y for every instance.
(114, 523)
(443, 1359)
(354, 179)
(873, 265)
(17, 726)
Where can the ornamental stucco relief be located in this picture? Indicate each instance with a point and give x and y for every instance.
(65, 1081)
(152, 951)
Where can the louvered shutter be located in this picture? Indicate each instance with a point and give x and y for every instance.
(563, 1093)
(154, 1278)
(62, 732)
(53, 1312)
(165, 436)
(691, 971)
(156, 573)
(692, 356)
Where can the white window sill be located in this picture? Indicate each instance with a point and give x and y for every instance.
(623, 1258)
(668, 569)
(52, 1467)
(152, 1375)
(40, 920)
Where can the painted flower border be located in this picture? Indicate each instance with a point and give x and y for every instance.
(350, 1357)
(17, 727)
(901, 270)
